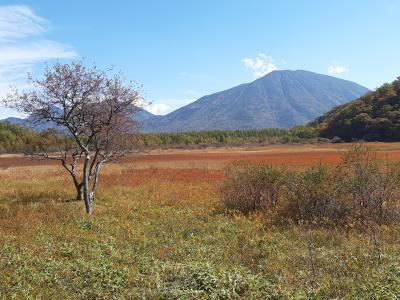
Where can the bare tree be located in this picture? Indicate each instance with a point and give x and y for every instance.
(93, 112)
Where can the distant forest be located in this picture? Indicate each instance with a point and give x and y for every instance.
(215, 137)
(14, 138)
(373, 117)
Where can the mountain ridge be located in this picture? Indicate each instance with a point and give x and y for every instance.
(280, 99)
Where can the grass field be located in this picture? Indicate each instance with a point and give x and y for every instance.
(159, 232)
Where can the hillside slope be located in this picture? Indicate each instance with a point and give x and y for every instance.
(280, 99)
(140, 115)
(373, 117)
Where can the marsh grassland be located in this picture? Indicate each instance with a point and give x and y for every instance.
(159, 231)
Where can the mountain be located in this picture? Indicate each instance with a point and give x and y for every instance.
(140, 115)
(372, 117)
(26, 123)
(280, 99)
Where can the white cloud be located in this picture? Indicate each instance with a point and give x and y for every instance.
(158, 108)
(22, 45)
(19, 21)
(260, 65)
(337, 69)
(163, 106)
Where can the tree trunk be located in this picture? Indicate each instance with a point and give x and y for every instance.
(89, 203)
(78, 186)
(79, 192)
(87, 196)
(96, 176)
(86, 193)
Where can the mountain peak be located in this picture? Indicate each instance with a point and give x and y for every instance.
(281, 99)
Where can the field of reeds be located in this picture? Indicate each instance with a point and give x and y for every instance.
(163, 229)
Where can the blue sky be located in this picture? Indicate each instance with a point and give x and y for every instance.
(182, 50)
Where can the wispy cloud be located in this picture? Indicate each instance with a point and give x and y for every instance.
(19, 21)
(260, 65)
(337, 69)
(23, 44)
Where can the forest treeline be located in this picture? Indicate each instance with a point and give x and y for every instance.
(14, 138)
(229, 137)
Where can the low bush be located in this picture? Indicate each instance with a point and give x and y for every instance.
(370, 187)
(313, 196)
(250, 188)
(361, 189)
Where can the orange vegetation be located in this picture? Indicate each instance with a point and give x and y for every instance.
(217, 158)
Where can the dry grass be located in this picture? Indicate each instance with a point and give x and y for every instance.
(158, 233)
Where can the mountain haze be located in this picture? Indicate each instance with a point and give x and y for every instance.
(280, 99)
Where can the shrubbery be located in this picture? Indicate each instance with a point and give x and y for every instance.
(360, 190)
